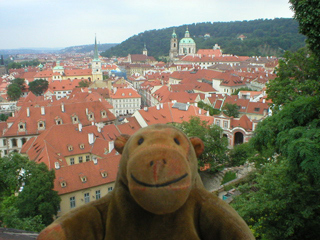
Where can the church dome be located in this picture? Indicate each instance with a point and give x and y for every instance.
(187, 41)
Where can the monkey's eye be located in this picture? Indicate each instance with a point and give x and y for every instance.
(140, 141)
(176, 141)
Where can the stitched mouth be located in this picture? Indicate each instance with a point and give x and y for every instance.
(161, 184)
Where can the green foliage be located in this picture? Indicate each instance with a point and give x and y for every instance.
(215, 146)
(38, 87)
(14, 92)
(298, 75)
(37, 197)
(229, 176)
(15, 65)
(231, 110)
(241, 153)
(265, 37)
(207, 107)
(307, 14)
(20, 82)
(9, 216)
(84, 83)
(36, 202)
(236, 92)
(3, 117)
(284, 206)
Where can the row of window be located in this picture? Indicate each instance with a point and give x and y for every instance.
(126, 100)
(14, 142)
(74, 118)
(80, 159)
(127, 106)
(86, 197)
(225, 123)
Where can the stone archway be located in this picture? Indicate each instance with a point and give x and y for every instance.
(238, 138)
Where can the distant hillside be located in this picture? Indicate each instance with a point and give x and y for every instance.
(263, 37)
(87, 48)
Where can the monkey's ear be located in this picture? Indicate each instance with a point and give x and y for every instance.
(120, 142)
(197, 145)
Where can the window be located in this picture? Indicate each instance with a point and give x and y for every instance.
(225, 124)
(72, 202)
(75, 119)
(23, 141)
(110, 189)
(98, 194)
(218, 122)
(4, 142)
(63, 184)
(70, 148)
(14, 142)
(87, 158)
(59, 121)
(80, 159)
(71, 161)
(81, 146)
(86, 197)
(41, 125)
(256, 109)
(21, 127)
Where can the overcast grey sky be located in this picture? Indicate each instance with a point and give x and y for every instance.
(64, 23)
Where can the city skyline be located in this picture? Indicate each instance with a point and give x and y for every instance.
(59, 24)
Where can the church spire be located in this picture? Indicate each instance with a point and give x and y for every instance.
(96, 55)
(187, 34)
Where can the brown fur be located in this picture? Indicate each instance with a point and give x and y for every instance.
(158, 195)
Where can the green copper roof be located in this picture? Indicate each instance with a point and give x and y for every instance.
(96, 55)
(186, 41)
(174, 35)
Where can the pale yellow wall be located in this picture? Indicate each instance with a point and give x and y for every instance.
(79, 197)
(76, 157)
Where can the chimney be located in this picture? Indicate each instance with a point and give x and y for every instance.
(87, 111)
(43, 111)
(158, 107)
(28, 112)
(111, 146)
(264, 100)
(199, 111)
(62, 107)
(90, 138)
(80, 127)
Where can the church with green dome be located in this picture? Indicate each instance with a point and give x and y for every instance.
(186, 46)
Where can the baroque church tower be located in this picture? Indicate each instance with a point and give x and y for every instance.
(173, 46)
(96, 64)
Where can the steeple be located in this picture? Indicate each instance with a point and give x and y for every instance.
(174, 35)
(145, 51)
(187, 34)
(96, 55)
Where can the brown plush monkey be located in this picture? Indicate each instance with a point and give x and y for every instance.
(158, 195)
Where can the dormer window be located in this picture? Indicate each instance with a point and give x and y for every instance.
(70, 148)
(103, 114)
(22, 127)
(104, 174)
(63, 184)
(90, 116)
(81, 146)
(41, 125)
(83, 179)
(75, 119)
(59, 121)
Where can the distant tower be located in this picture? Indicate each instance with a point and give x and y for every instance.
(145, 51)
(173, 46)
(96, 64)
(187, 45)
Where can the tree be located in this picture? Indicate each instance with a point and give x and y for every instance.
(215, 146)
(84, 83)
(37, 196)
(231, 110)
(36, 202)
(20, 82)
(298, 75)
(14, 92)
(38, 87)
(282, 205)
(307, 14)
